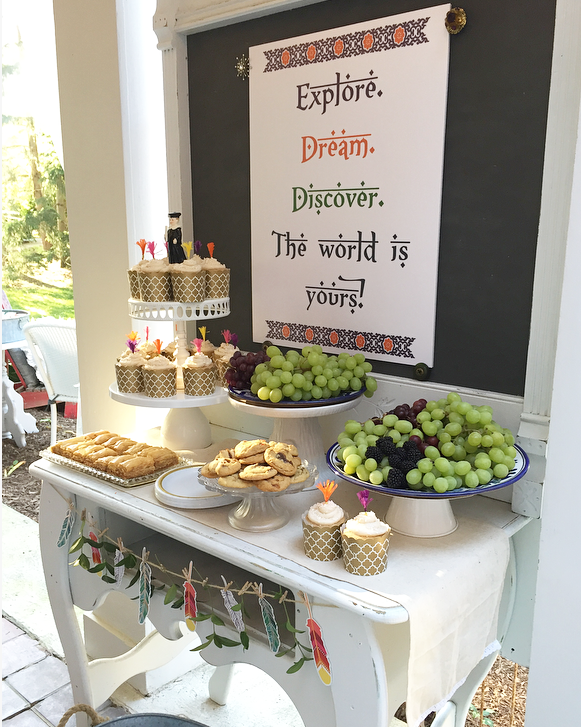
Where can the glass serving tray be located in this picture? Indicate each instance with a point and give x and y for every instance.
(105, 476)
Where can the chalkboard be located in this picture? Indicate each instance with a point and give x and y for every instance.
(500, 67)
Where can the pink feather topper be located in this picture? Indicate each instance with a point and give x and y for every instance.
(364, 498)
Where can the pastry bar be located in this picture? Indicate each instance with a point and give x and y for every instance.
(116, 455)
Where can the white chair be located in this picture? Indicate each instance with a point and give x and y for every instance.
(53, 344)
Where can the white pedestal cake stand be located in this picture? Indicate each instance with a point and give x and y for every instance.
(185, 427)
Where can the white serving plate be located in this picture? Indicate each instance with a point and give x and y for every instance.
(180, 487)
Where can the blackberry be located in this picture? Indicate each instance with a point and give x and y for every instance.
(374, 453)
(395, 459)
(412, 452)
(386, 444)
(396, 480)
(406, 466)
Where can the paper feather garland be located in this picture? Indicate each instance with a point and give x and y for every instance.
(144, 587)
(119, 570)
(269, 622)
(67, 526)
(318, 645)
(95, 552)
(190, 599)
(229, 602)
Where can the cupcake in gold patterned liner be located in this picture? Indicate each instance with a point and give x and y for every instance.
(160, 377)
(155, 281)
(129, 367)
(199, 373)
(218, 285)
(222, 355)
(134, 289)
(322, 526)
(188, 282)
(365, 541)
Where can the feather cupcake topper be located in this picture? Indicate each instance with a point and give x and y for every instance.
(198, 344)
(227, 335)
(146, 333)
(203, 330)
(158, 344)
(211, 247)
(318, 646)
(142, 245)
(327, 489)
(151, 249)
(187, 248)
(132, 341)
(234, 339)
(364, 498)
(197, 247)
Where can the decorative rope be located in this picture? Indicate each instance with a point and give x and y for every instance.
(93, 716)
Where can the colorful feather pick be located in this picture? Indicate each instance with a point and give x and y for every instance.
(269, 622)
(318, 645)
(211, 247)
(132, 341)
(119, 570)
(197, 247)
(203, 331)
(144, 587)
(151, 249)
(158, 344)
(197, 342)
(327, 489)
(229, 602)
(67, 526)
(227, 335)
(142, 245)
(187, 248)
(95, 552)
(364, 498)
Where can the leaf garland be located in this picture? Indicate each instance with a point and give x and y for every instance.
(67, 526)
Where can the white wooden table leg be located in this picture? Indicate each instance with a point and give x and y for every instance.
(53, 508)
(220, 683)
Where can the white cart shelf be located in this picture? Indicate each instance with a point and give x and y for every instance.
(172, 311)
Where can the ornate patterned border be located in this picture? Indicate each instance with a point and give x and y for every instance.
(387, 37)
(396, 346)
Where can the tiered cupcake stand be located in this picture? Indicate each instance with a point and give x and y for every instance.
(185, 427)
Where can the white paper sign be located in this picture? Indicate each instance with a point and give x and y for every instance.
(347, 144)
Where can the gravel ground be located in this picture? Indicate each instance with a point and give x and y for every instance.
(22, 493)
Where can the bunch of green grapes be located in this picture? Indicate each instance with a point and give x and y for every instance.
(310, 374)
(454, 444)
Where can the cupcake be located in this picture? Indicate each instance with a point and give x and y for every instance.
(208, 347)
(218, 280)
(199, 373)
(133, 277)
(322, 526)
(129, 368)
(365, 541)
(223, 354)
(159, 376)
(170, 350)
(155, 281)
(188, 281)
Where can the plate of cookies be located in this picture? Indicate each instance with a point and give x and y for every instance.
(258, 467)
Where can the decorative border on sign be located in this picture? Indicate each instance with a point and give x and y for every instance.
(348, 45)
(397, 346)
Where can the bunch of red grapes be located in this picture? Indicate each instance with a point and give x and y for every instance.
(405, 411)
(242, 367)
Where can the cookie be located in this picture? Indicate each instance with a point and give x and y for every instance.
(293, 449)
(225, 454)
(280, 456)
(234, 482)
(300, 475)
(254, 472)
(226, 466)
(278, 483)
(209, 469)
(249, 447)
(254, 459)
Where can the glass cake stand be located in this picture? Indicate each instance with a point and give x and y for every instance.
(258, 511)
(427, 514)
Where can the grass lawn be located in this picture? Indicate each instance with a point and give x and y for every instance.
(54, 298)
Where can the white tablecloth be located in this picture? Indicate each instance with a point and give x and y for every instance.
(450, 586)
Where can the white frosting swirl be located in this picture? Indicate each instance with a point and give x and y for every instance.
(159, 363)
(325, 513)
(193, 261)
(210, 263)
(225, 352)
(365, 525)
(188, 266)
(140, 265)
(147, 349)
(131, 359)
(156, 266)
(198, 361)
(207, 347)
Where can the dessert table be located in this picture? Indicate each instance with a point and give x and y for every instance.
(426, 631)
